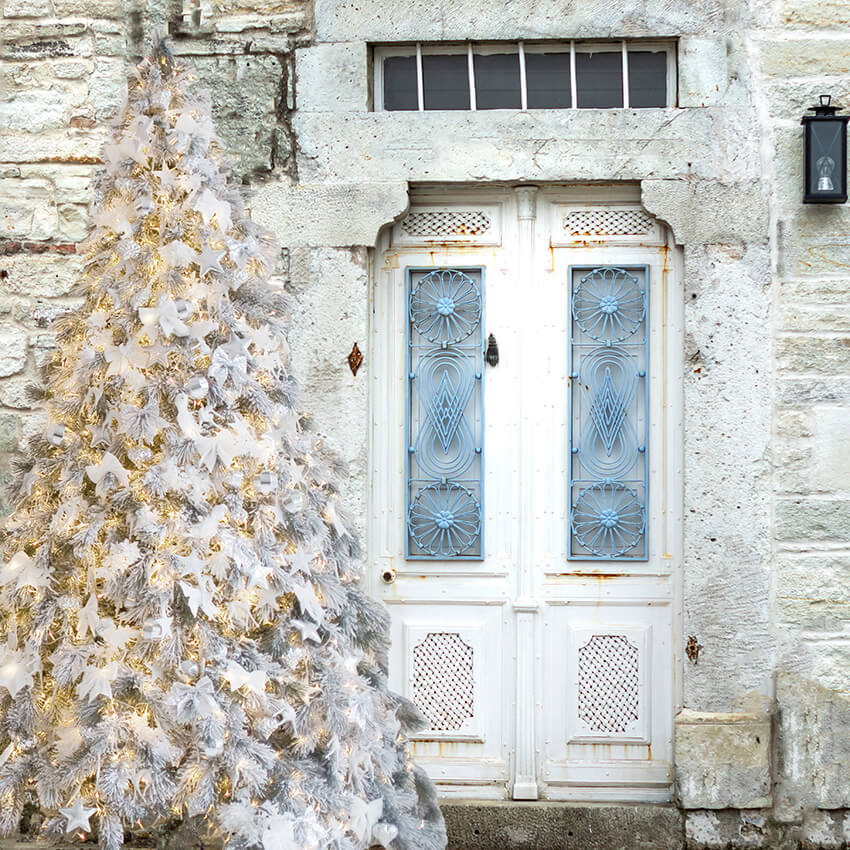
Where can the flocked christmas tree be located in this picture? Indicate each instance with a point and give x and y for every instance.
(182, 632)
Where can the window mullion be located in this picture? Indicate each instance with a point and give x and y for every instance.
(471, 66)
(523, 87)
(573, 84)
(420, 84)
(625, 53)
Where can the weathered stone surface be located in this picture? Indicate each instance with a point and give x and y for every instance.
(722, 760)
(445, 20)
(480, 147)
(333, 78)
(13, 350)
(41, 275)
(831, 466)
(28, 209)
(698, 210)
(814, 354)
(813, 719)
(26, 8)
(345, 214)
(813, 590)
(824, 14)
(560, 826)
(727, 467)
(810, 518)
(798, 57)
(246, 107)
(334, 316)
(13, 393)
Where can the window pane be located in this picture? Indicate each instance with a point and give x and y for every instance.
(547, 77)
(446, 82)
(400, 83)
(599, 80)
(497, 81)
(647, 78)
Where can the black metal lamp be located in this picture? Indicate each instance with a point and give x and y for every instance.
(826, 154)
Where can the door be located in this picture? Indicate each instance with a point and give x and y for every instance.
(525, 525)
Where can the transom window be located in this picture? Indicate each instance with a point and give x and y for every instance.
(525, 75)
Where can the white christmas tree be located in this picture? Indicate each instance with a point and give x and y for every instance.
(182, 631)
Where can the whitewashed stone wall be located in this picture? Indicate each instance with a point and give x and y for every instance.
(767, 387)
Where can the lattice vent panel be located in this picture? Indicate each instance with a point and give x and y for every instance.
(444, 681)
(607, 222)
(608, 684)
(446, 224)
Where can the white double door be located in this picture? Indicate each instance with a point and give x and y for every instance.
(542, 652)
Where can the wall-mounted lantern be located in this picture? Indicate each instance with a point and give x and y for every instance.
(826, 154)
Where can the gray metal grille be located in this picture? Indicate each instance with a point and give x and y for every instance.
(446, 223)
(608, 684)
(444, 680)
(603, 221)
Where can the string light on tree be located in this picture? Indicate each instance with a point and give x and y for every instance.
(182, 631)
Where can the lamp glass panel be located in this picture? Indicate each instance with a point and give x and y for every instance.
(826, 152)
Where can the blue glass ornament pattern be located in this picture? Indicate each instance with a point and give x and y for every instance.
(609, 403)
(445, 415)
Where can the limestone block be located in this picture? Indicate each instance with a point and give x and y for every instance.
(812, 518)
(831, 468)
(813, 354)
(245, 108)
(13, 350)
(792, 391)
(788, 100)
(10, 427)
(114, 9)
(73, 222)
(26, 8)
(703, 71)
(13, 393)
(815, 240)
(41, 274)
(822, 290)
(800, 57)
(727, 473)
(333, 78)
(29, 209)
(37, 110)
(440, 20)
(556, 145)
(45, 39)
(107, 87)
(825, 14)
(722, 760)
(814, 318)
(330, 314)
(343, 214)
(698, 211)
(813, 719)
(77, 146)
(813, 591)
(793, 465)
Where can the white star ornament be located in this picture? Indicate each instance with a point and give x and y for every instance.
(77, 816)
(209, 206)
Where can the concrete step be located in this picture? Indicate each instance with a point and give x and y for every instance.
(509, 825)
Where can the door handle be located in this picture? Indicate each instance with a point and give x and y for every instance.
(492, 354)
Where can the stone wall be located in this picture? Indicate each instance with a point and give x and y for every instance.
(767, 392)
(64, 69)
